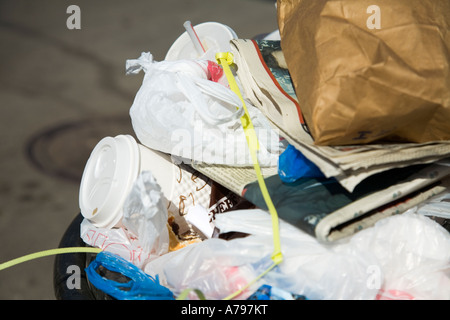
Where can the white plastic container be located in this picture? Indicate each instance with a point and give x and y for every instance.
(109, 174)
(214, 36)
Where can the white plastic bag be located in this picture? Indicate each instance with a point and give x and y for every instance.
(402, 257)
(179, 111)
(438, 206)
(115, 240)
(218, 267)
(413, 254)
(145, 214)
(309, 268)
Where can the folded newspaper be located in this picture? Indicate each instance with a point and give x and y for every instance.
(266, 82)
(326, 210)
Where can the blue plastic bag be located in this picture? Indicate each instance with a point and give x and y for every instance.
(293, 165)
(140, 287)
(266, 292)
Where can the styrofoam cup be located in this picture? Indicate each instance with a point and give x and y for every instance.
(213, 36)
(109, 174)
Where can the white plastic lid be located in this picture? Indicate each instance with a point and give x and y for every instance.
(107, 179)
(213, 36)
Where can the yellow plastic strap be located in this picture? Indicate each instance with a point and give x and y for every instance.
(225, 59)
(46, 253)
(183, 295)
(238, 292)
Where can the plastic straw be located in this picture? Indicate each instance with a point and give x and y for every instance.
(194, 37)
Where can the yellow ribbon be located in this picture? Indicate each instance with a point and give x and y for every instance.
(183, 295)
(225, 59)
(46, 253)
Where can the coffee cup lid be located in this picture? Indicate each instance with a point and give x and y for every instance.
(110, 170)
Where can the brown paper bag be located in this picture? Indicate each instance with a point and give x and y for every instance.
(369, 70)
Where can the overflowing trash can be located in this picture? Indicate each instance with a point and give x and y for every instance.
(256, 176)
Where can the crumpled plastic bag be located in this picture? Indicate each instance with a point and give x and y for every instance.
(216, 267)
(413, 254)
(401, 257)
(293, 165)
(179, 111)
(145, 214)
(219, 268)
(144, 235)
(138, 284)
(117, 240)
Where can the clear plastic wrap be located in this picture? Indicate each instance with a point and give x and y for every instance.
(218, 267)
(402, 257)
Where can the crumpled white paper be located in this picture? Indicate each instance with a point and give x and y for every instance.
(118, 241)
(144, 235)
(145, 214)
